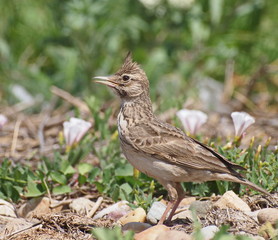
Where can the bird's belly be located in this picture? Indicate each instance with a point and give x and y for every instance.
(159, 169)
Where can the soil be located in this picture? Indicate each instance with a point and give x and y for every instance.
(28, 137)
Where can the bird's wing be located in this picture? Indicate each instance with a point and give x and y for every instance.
(171, 145)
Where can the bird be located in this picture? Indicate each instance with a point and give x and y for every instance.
(158, 149)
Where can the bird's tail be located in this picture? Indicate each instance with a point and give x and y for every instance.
(241, 180)
(254, 186)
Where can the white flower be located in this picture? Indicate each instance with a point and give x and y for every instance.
(242, 121)
(3, 120)
(192, 120)
(74, 130)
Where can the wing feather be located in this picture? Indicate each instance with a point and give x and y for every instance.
(172, 145)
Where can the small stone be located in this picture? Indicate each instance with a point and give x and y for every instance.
(136, 226)
(200, 207)
(156, 211)
(186, 214)
(7, 209)
(137, 215)
(208, 232)
(16, 225)
(268, 215)
(151, 233)
(81, 205)
(231, 200)
(253, 215)
(38, 206)
(115, 211)
(173, 234)
(187, 201)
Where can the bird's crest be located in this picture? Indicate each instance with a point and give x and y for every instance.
(129, 66)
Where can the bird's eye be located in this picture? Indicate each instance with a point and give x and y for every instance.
(125, 78)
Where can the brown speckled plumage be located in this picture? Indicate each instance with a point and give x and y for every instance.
(158, 149)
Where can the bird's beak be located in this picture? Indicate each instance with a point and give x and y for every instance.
(106, 80)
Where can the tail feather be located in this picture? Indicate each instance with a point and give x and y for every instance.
(254, 186)
(241, 180)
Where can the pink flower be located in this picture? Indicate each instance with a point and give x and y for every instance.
(242, 121)
(192, 120)
(74, 130)
(3, 120)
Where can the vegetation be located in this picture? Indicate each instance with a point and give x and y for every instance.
(65, 43)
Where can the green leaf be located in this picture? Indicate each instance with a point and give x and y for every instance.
(100, 186)
(33, 190)
(116, 192)
(126, 170)
(84, 168)
(62, 189)
(66, 167)
(125, 191)
(93, 174)
(82, 179)
(58, 177)
(11, 191)
(115, 233)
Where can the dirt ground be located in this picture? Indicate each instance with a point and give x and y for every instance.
(27, 137)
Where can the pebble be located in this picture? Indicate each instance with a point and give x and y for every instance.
(156, 211)
(187, 201)
(15, 225)
(7, 209)
(268, 215)
(38, 206)
(151, 233)
(173, 234)
(118, 209)
(201, 207)
(208, 232)
(137, 215)
(81, 205)
(253, 215)
(136, 226)
(231, 200)
(186, 214)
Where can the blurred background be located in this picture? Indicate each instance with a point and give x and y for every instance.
(193, 49)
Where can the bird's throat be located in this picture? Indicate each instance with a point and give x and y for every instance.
(137, 108)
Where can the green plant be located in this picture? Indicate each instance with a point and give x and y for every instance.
(116, 233)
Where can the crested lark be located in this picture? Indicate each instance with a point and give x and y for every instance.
(158, 149)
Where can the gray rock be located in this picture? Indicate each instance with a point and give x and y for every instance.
(268, 215)
(231, 200)
(156, 211)
(209, 232)
(186, 214)
(253, 215)
(136, 226)
(7, 209)
(200, 207)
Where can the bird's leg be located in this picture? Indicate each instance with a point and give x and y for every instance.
(168, 208)
(181, 194)
(173, 194)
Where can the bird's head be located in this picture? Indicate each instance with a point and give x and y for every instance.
(130, 81)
